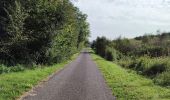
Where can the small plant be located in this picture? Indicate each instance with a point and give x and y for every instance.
(5, 69)
(17, 68)
(163, 79)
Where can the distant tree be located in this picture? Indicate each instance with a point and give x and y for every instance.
(145, 39)
(124, 46)
(83, 29)
(101, 44)
(105, 48)
(93, 45)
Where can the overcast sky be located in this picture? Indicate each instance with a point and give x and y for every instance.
(128, 18)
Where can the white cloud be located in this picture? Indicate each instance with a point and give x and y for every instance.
(128, 18)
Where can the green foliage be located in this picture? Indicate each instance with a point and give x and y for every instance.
(126, 62)
(156, 68)
(163, 79)
(105, 48)
(17, 68)
(150, 45)
(100, 46)
(148, 55)
(127, 85)
(109, 54)
(40, 31)
(152, 51)
(125, 46)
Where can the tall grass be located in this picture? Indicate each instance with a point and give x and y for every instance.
(157, 69)
(127, 85)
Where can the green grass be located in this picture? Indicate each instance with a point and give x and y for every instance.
(13, 85)
(127, 85)
(157, 68)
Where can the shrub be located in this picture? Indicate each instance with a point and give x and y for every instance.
(163, 79)
(155, 69)
(5, 69)
(141, 64)
(126, 62)
(109, 56)
(17, 68)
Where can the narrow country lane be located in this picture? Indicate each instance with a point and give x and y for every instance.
(80, 80)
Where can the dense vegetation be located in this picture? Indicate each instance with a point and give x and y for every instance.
(149, 55)
(36, 32)
(34, 36)
(126, 84)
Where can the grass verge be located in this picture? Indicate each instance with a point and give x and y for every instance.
(127, 85)
(13, 85)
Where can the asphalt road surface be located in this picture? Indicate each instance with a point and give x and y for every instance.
(80, 80)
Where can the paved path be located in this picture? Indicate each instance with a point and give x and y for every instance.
(80, 80)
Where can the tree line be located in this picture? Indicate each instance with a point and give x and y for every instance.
(148, 55)
(147, 45)
(40, 31)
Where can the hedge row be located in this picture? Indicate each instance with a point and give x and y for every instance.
(40, 31)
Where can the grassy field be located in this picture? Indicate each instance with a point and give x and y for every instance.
(13, 85)
(127, 85)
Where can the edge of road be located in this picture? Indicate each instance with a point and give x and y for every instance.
(42, 82)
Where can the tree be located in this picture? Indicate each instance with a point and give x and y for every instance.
(44, 31)
(101, 44)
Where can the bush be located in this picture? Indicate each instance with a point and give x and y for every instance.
(5, 69)
(125, 62)
(141, 64)
(17, 68)
(149, 66)
(156, 68)
(110, 54)
(163, 79)
(152, 51)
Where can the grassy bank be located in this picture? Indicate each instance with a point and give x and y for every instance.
(127, 85)
(12, 85)
(157, 69)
